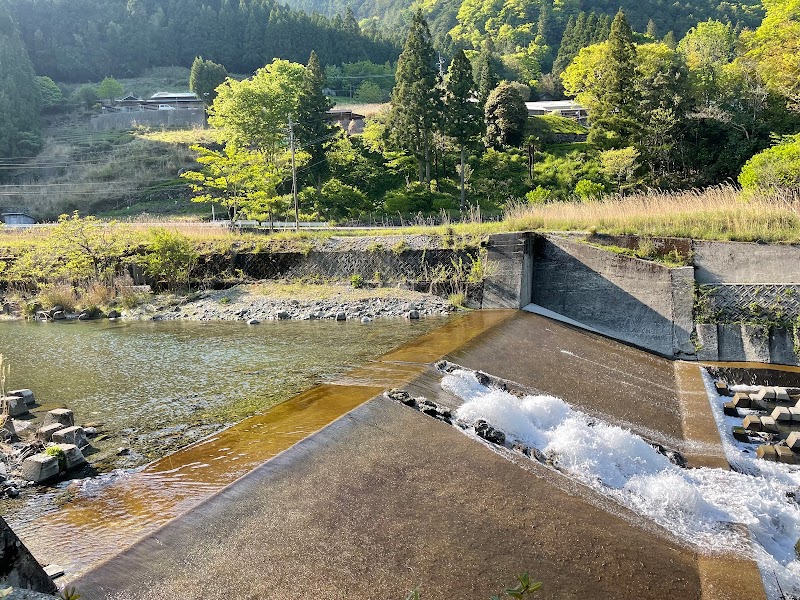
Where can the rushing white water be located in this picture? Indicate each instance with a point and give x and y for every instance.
(695, 504)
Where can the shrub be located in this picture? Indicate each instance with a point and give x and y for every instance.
(59, 454)
(539, 195)
(776, 168)
(586, 189)
(58, 294)
(169, 259)
(357, 281)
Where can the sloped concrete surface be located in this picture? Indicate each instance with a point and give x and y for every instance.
(386, 500)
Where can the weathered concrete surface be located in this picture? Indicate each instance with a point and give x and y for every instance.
(386, 500)
(740, 262)
(594, 373)
(18, 568)
(707, 340)
(508, 284)
(731, 346)
(633, 300)
(755, 343)
(781, 347)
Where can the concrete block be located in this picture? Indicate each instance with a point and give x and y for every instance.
(60, 415)
(730, 342)
(781, 347)
(765, 393)
(768, 424)
(71, 435)
(781, 413)
(45, 434)
(795, 414)
(73, 455)
(26, 395)
(722, 388)
(781, 395)
(730, 410)
(757, 404)
(707, 341)
(741, 400)
(752, 423)
(39, 467)
(793, 441)
(740, 434)
(755, 342)
(13, 405)
(767, 452)
(786, 455)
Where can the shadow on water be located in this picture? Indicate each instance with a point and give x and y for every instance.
(105, 516)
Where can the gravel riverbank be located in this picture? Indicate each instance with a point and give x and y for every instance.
(271, 301)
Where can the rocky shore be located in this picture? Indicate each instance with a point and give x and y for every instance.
(274, 301)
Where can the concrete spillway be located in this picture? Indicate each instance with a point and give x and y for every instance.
(384, 499)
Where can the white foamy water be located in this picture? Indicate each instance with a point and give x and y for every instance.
(695, 504)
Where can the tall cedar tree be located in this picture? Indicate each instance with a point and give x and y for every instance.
(487, 72)
(463, 120)
(314, 130)
(614, 119)
(416, 99)
(505, 116)
(205, 77)
(19, 93)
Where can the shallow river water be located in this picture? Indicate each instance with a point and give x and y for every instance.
(153, 386)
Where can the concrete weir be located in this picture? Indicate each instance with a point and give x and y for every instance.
(383, 499)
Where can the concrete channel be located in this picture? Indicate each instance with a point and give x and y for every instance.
(371, 499)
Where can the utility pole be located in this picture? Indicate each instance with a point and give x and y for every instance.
(294, 176)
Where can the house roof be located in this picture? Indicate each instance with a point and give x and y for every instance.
(554, 105)
(177, 95)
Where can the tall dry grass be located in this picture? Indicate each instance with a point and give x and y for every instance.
(717, 213)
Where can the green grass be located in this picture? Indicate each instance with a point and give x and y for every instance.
(554, 125)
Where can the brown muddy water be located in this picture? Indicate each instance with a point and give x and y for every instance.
(144, 377)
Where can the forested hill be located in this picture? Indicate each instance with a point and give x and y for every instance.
(86, 40)
(457, 23)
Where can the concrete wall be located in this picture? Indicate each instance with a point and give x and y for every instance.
(739, 262)
(636, 301)
(150, 118)
(18, 567)
(509, 259)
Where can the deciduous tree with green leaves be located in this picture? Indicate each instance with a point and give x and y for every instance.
(416, 99)
(254, 113)
(463, 121)
(110, 89)
(505, 116)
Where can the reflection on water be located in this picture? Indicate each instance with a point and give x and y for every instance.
(153, 383)
(104, 516)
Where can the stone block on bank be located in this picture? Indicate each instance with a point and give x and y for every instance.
(767, 452)
(793, 441)
(795, 413)
(26, 395)
(768, 424)
(781, 413)
(722, 388)
(752, 423)
(73, 455)
(60, 415)
(39, 467)
(785, 454)
(71, 435)
(45, 434)
(757, 404)
(781, 395)
(14, 406)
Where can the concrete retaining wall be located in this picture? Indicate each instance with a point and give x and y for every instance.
(739, 262)
(18, 567)
(150, 118)
(636, 301)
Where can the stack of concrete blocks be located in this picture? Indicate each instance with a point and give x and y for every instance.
(59, 426)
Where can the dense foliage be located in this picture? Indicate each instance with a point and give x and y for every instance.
(19, 93)
(86, 40)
